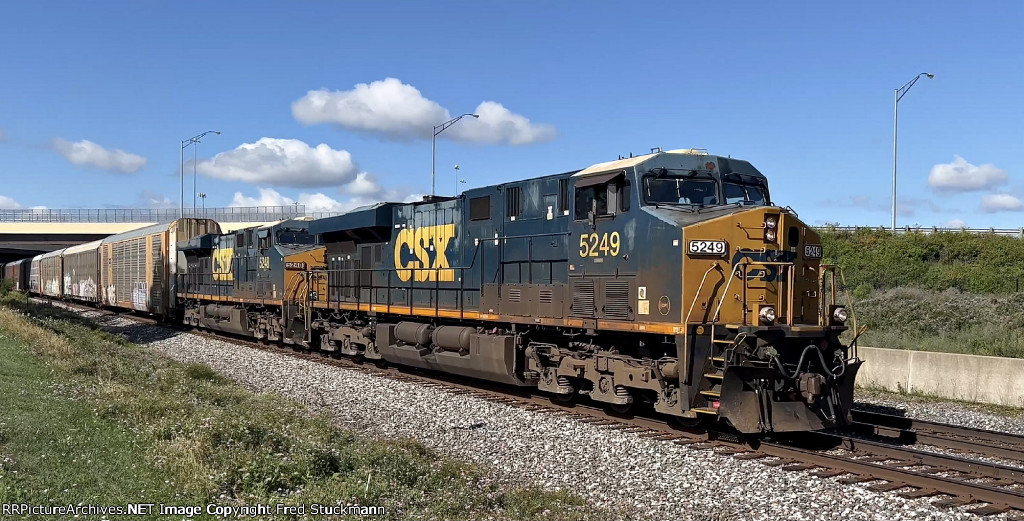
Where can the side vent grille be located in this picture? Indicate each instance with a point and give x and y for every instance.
(515, 295)
(616, 299)
(545, 296)
(583, 298)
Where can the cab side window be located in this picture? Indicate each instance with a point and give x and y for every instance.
(585, 198)
(612, 197)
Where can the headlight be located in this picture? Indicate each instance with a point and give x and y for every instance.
(767, 315)
(840, 315)
(769, 235)
(770, 223)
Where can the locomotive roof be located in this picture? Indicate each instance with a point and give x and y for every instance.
(688, 158)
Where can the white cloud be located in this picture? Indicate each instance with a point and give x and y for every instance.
(498, 125)
(1001, 203)
(282, 162)
(150, 199)
(399, 111)
(319, 202)
(961, 176)
(955, 223)
(87, 153)
(8, 203)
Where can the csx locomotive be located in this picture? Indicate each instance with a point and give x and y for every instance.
(667, 279)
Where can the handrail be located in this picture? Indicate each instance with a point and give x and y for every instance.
(699, 288)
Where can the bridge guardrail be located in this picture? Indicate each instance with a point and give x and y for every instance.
(156, 215)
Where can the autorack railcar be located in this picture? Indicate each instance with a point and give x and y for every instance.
(137, 268)
(81, 272)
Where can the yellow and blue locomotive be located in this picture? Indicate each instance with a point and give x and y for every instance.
(668, 279)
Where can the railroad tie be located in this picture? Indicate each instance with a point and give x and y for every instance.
(919, 493)
(988, 510)
(952, 502)
(798, 466)
(1015, 515)
(887, 487)
(749, 456)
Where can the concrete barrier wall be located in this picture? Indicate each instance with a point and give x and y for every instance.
(973, 378)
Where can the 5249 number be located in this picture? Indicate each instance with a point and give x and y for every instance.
(594, 245)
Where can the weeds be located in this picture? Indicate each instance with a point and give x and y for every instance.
(220, 443)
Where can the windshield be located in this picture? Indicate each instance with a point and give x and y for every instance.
(284, 237)
(680, 190)
(737, 193)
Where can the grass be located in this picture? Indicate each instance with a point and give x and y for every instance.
(877, 259)
(948, 321)
(140, 427)
(949, 291)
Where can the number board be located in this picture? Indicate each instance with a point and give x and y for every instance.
(294, 265)
(597, 245)
(812, 251)
(716, 248)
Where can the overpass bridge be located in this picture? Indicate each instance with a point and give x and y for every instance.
(26, 232)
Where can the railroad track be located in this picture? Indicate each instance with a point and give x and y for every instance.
(978, 441)
(986, 488)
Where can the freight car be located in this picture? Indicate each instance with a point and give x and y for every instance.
(81, 272)
(17, 273)
(137, 268)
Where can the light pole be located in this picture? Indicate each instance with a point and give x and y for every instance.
(203, 197)
(185, 144)
(456, 180)
(433, 144)
(897, 96)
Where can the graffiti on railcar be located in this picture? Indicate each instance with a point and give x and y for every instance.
(140, 296)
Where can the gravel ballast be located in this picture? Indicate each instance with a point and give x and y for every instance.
(931, 409)
(647, 478)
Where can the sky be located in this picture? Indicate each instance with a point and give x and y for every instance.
(332, 104)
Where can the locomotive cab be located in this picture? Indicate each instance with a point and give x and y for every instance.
(691, 245)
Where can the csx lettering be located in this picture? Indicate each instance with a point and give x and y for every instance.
(592, 245)
(222, 258)
(426, 263)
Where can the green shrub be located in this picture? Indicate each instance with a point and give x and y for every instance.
(937, 261)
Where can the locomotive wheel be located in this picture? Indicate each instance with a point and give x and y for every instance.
(564, 399)
(621, 408)
(686, 423)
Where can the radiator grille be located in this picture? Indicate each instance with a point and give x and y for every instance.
(616, 299)
(515, 295)
(583, 298)
(545, 296)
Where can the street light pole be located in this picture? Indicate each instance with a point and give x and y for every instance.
(456, 180)
(203, 197)
(185, 144)
(897, 96)
(433, 144)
